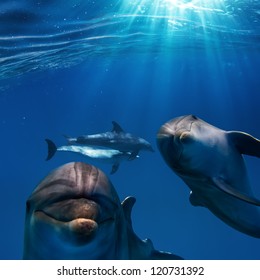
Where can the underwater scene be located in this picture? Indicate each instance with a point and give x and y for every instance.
(154, 104)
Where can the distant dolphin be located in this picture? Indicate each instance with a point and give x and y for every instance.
(111, 156)
(209, 160)
(75, 213)
(116, 139)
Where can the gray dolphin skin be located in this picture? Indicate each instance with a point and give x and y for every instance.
(116, 139)
(209, 160)
(110, 156)
(75, 213)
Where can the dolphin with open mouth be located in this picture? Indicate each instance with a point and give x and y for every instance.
(75, 213)
(209, 160)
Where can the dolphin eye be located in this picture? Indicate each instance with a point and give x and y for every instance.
(185, 138)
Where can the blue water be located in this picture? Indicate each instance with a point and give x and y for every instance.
(73, 68)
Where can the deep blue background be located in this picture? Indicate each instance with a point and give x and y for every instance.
(140, 92)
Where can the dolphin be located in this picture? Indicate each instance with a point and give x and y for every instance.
(209, 160)
(75, 213)
(110, 156)
(116, 139)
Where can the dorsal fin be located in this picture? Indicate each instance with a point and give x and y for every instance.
(127, 205)
(245, 143)
(141, 249)
(138, 249)
(116, 127)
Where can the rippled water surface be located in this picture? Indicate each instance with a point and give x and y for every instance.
(36, 35)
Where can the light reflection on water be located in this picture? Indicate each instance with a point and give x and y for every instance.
(56, 35)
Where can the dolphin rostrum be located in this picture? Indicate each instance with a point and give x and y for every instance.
(110, 156)
(116, 139)
(75, 213)
(209, 160)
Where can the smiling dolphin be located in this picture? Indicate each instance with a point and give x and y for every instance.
(116, 139)
(110, 156)
(75, 213)
(209, 160)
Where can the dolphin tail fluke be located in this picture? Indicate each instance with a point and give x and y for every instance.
(51, 149)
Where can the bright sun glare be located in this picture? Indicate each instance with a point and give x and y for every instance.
(172, 8)
(171, 20)
(177, 14)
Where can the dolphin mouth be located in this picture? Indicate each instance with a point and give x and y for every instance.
(70, 209)
(79, 228)
(78, 216)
